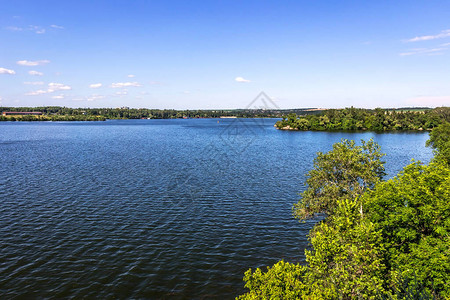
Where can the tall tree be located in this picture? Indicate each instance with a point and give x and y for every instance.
(343, 173)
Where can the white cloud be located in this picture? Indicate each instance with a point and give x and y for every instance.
(121, 93)
(52, 87)
(131, 76)
(34, 82)
(442, 34)
(29, 63)
(240, 79)
(95, 85)
(95, 97)
(36, 29)
(58, 97)
(35, 93)
(92, 97)
(35, 73)
(125, 84)
(7, 71)
(432, 51)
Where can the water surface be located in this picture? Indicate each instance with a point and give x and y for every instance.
(156, 208)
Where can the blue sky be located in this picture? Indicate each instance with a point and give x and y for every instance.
(221, 54)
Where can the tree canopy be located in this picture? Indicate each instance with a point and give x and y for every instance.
(343, 173)
(440, 141)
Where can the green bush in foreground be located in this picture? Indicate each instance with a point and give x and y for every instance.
(392, 242)
(281, 281)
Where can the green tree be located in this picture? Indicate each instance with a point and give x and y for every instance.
(343, 173)
(440, 141)
(347, 257)
(412, 212)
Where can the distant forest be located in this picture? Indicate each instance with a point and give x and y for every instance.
(57, 113)
(292, 119)
(366, 119)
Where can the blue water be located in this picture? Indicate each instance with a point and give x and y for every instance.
(156, 208)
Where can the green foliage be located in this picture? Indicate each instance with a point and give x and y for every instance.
(343, 173)
(281, 281)
(347, 260)
(366, 119)
(413, 213)
(407, 288)
(440, 141)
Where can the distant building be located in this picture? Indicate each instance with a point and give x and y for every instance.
(21, 113)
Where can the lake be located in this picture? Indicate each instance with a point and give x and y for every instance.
(157, 208)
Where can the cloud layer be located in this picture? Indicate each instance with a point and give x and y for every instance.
(52, 87)
(241, 79)
(34, 28)
(35, 73)
(432, 51)
(125, 84)
(442, 34)
(7, 71)
(29, 63)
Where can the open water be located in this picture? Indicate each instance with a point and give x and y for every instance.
(157, 208)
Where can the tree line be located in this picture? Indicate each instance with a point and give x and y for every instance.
(58, 113)
(377, 239)
(367, 119)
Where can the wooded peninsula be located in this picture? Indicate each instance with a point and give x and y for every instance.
(366, 119)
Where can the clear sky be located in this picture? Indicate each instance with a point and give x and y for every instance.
(221, 54)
